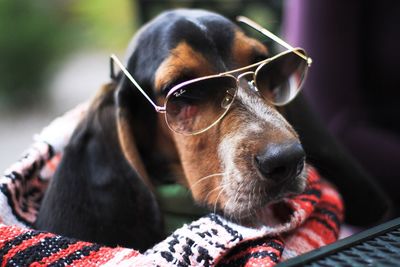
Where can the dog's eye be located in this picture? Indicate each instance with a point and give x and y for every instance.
(184, 107)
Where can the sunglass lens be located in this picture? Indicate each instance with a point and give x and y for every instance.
(197, 106)
(280, 80)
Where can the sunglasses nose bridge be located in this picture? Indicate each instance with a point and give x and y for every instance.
(245, 83)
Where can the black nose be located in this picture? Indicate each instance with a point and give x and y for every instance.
(280, 162)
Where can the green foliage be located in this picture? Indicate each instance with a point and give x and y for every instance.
(32, 35)
(104, 24)
(36, 35)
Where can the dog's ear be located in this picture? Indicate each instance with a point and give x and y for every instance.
(365, 201)
(129, 126)
(136, 120)
(95, 193)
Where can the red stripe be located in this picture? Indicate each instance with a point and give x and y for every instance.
(326, 235)
(307, 207)
(53, 163)
(132, 254)
(60, 254)
(308, 239)
(24, 245)
(7, 233)
(312, 174)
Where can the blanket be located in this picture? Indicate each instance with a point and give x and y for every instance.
(313, 220)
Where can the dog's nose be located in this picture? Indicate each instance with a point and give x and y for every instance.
(280, 162)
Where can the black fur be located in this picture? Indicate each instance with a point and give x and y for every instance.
(95, 194)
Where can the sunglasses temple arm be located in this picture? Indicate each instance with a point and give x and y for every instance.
(125, 71)
(266, 32)
(112, 72)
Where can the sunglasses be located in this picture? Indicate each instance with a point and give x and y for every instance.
(196, 105)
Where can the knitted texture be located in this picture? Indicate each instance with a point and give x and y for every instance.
(313, 220)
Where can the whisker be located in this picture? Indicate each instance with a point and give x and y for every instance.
(216, 200)
(236, 199)
(206, 177)
(252, 196)
(226, 205)
(250, 200)
(208, 194)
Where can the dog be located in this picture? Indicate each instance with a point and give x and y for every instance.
(250, 157)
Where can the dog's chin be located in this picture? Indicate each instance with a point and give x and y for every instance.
(257, 209)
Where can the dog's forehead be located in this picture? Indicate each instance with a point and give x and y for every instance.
(203, 43)
(185, 61)
(212, 34)
(171, 27)
(188, 41)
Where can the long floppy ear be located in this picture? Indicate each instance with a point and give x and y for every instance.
(127, 125)
(96, 194)
(136, 117)
(365, 201)
(137, 125)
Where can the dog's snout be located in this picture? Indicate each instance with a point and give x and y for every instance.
(280, 162)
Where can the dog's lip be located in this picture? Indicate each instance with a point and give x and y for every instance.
(277, 195)
(275, 213)
(271, 214)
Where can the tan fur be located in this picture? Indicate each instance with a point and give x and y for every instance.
(100, 94)
(182, 57)
(129, 149)
(245, 47)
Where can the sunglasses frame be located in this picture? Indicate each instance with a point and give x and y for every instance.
(162, 109)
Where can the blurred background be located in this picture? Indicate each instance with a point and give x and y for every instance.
(54, 55)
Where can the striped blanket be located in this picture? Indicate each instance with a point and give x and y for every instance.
(313, 221)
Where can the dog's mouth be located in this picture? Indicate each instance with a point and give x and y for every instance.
(259, 201)
(273, 214)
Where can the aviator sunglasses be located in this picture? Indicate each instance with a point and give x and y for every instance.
(196, 105)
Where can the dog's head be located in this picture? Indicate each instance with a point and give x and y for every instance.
(252, 156)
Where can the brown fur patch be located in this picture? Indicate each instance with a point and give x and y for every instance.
(199, 161)
(244, 48)
(166, 146)
(182, 57)
(129, 149)
(101, 94)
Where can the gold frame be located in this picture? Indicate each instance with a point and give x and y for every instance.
(162, 109)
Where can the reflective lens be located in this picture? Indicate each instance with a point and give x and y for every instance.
(195, 107)
(279, 80)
